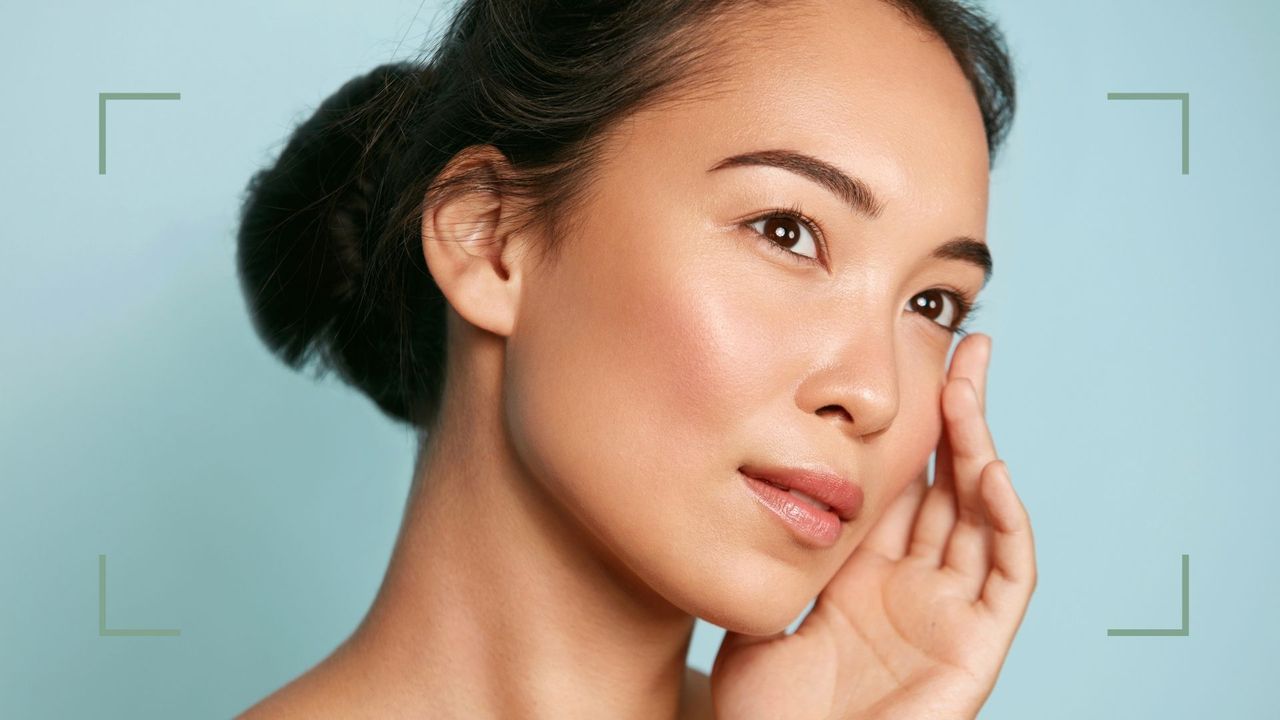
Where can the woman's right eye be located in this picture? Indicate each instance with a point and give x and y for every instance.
(786, 231)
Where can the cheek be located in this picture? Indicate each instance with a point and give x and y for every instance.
(625, 374)
(917, 428)
(630, 379)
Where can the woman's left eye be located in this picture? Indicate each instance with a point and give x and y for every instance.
(785, 230)
(945, 307)
(790, 233)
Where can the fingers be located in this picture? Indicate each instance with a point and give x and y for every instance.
(1013, 557)
(971, 359)
(972, 449)
(971, 520)
(938, 511)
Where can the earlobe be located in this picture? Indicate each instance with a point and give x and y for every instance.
(465, 240)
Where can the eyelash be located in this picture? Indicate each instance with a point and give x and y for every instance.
(965, 309)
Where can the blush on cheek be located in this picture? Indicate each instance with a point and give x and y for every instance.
(716, 350)
(927, 424)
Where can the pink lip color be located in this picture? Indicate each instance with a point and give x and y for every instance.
(818, 528)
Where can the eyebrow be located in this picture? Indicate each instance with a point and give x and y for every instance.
(858, 195)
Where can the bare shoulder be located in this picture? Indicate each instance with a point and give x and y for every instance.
(695, 703)
(308, 696)
(289, 702)
(314, 694)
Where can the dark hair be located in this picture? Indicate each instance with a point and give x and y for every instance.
(329, 244)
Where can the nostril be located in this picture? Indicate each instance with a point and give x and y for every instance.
(837, 410)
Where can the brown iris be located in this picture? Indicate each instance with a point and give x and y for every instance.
(929, 303)
(783, 230)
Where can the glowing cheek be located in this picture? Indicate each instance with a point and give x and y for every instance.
(925, 424)
(698, 354)
(702, 348)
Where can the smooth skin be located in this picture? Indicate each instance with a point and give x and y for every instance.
(581, 504)
(918, 621)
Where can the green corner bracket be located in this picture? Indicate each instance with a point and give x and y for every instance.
(1183, 631)
(1186, 116)
(105, 631)
(103, 97)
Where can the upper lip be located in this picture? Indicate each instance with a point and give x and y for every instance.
(842, 494)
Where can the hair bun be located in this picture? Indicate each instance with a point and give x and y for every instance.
(308, 225)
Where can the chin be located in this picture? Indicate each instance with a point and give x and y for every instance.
(760, 602)
(741, 618)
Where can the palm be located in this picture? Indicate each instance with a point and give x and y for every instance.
(917, 621)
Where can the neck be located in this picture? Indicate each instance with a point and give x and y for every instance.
(497, 603)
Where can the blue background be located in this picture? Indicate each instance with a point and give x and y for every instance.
(1132, 387)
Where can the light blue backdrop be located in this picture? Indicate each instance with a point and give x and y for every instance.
(1132, 389)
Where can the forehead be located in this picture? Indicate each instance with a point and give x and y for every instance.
(853, 82)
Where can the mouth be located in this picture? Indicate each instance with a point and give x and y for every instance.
(800, 512)
(807, 498)
(818, 487)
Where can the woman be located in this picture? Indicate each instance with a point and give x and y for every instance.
(668, 288)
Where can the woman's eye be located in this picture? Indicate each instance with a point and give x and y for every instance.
(941, 306)
(788, 233)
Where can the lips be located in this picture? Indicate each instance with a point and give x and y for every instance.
(815, 501)
(822, 488)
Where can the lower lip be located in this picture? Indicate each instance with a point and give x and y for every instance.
(818, 528)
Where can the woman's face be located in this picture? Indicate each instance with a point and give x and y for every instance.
(673, 342)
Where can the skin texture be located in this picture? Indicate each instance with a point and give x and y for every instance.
(580, 502)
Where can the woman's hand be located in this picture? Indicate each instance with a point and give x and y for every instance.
(917, 623)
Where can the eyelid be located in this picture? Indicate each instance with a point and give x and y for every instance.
(966, 306)
(793, 211)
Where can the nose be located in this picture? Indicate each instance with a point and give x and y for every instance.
(857, 388)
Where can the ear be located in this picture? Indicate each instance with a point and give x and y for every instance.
(469, 241)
